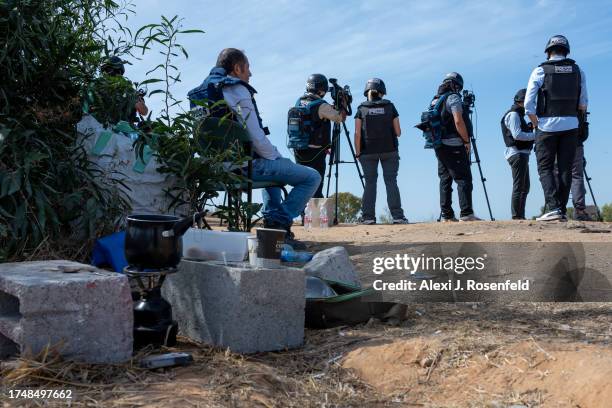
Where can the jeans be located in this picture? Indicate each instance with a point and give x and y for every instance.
(303, 179)
(390, 166)
(559, 147)
(314, 158)
(454, 165)
(519, 163)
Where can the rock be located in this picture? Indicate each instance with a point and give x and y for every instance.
(85, 311)
(333, 264)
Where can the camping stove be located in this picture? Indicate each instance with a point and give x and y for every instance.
(153, 324)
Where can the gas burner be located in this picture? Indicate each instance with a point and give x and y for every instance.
(133, 271)
(153, 324)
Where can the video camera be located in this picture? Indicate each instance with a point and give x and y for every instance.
(468, 98)
(341, 95)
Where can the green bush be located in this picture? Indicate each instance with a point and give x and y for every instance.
(606, 212)
(49, 191)
(349, 206)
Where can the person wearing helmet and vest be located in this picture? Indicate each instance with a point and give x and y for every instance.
(113, 66)
(377, 128)
(229, 81)
(321, 117)
(556, 95)
(111, 97)
(518, 137)
(453, 153)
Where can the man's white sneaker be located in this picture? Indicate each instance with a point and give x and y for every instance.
(470, 217)
(448, 219)
(401, 220)
(551, 216)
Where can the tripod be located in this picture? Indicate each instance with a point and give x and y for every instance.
(477, 159)
(588, 180)
(335, 161)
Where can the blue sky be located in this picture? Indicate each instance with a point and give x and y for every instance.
(410, 45)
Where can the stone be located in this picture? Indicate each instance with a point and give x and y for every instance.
(84, 311)
(333, 264)
(237, 306)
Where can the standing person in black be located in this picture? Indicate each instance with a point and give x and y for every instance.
(322, 114)
(377, 128)
(518, 137)
(556, 97)
(453, 153)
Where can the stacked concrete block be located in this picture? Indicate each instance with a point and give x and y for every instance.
(84, 311)
(333, 264)
(239, 307)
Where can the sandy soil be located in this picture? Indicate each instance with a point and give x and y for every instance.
(482, 231)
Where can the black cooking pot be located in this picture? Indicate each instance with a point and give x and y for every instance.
(156, 241)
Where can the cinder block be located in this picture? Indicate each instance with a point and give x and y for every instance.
(90, 311)
(333, 264)
(238, 307)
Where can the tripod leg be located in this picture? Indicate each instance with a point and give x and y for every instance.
(332, 157)
(482, 177)
(588, 180)
(348, 139)
(336, 196)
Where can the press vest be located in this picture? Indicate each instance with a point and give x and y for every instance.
(560, 93)
(377, 131)
(211, 91)
(508, 138)
(321, 128)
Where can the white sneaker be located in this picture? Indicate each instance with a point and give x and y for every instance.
(448, 219)
(550, 216)
(470, 217)
(403, 220)
(366, 221)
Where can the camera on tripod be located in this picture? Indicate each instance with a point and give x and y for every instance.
(341, 95)
(468, 98)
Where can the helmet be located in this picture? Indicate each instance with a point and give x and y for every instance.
(113, 65)
(558, 41)
(316, 83)
(455, 77)
(520, 95)
(375, 84)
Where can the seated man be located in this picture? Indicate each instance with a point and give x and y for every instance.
(229, 80)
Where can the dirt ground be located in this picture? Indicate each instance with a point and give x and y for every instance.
(432, 355)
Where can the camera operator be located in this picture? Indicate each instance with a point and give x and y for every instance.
(518, 137)
(319, 133)
(453, 153)
(556, 97)
(377, 128)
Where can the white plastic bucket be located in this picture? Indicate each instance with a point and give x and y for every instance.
(206, 245)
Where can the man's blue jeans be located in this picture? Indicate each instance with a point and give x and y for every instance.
(304, 180)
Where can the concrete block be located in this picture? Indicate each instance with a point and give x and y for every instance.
(333, 264)
(86, 309)
(237, 306)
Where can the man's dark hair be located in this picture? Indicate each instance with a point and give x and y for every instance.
(559, 50)
(230, 57)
